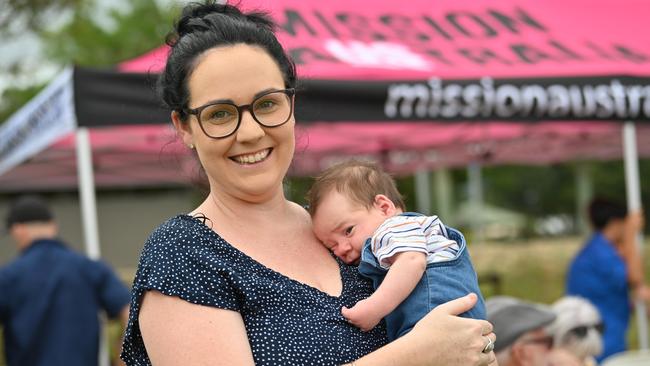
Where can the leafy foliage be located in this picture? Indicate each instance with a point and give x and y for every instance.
(534, 190)
(84, 42)
(14, 98)
(22, 15)
(140, 27)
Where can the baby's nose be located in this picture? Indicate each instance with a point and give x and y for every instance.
(345, 246)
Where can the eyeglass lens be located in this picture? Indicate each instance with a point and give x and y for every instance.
(269, 110)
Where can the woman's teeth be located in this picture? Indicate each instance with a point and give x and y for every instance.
(252, 158)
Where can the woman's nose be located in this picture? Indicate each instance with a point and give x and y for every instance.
(249, 129)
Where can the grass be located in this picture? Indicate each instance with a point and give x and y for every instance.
(532, 269)
(535, 270)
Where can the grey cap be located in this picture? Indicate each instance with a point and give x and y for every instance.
(512, 318)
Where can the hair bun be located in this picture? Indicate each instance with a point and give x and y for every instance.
(194, 16)
(199, 17)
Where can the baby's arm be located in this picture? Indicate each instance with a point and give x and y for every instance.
(402, 277)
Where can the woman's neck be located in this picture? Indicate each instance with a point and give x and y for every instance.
(255, 211)
(249, 226)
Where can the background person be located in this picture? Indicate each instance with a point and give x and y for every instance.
(414, 261)
(520, 329)
(608, 268)
(577, 329)
(562, 357)
(51, 296)
(242, 279)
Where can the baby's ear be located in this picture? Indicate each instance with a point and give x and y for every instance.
(385, 205)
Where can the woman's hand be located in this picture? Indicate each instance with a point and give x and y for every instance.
(440, 339)
(453, 340)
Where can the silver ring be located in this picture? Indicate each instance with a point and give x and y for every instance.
(488, 347)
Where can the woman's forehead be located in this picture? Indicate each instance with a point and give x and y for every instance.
(235, 72)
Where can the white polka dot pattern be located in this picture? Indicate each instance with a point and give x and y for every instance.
(288, 322)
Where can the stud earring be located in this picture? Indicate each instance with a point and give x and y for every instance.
(191, 146)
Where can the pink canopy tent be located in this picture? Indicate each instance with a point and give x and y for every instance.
(140, 156)
(418, 86)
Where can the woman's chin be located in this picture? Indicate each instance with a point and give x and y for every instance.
(260, 189)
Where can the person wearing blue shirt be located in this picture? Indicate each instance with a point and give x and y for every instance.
(607, 268)
(51, 296)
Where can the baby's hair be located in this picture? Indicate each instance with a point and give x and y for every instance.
(360, 181)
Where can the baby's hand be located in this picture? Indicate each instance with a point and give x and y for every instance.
(363, 315)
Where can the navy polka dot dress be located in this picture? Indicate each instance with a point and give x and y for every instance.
(287, 322)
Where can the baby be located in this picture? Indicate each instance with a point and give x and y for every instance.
(414, 261)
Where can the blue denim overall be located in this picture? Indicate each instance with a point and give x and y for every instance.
(441, 282)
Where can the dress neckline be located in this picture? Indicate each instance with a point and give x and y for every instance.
(264, 268)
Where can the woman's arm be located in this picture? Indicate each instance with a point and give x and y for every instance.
(176, 332)
(439, 339)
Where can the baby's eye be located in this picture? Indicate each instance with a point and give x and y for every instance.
(348, 230)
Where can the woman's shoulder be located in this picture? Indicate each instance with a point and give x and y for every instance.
(182, 256)
(184, 235)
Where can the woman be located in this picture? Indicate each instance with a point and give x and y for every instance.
(242, 280)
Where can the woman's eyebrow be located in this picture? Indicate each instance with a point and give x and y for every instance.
(230, 101)
(259, 94)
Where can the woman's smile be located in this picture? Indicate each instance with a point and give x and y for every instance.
(252, 158)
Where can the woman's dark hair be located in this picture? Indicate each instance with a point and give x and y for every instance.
(205, 26)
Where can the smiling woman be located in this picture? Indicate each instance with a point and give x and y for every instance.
(242, 279)
(241, 155)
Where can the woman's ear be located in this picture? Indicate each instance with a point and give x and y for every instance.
(385, 205)
(183, 129)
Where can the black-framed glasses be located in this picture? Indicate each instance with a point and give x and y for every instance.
(582, 330)
(222, 119)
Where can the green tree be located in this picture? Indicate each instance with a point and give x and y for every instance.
(22, 15)
(14, 98)
(132, 31)
(136, 30)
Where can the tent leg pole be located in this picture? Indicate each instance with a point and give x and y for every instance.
(633, 191)
(423, 191)
(443, 186)
(475, 184)
(87, 193)
(89, 215)
(584, 194)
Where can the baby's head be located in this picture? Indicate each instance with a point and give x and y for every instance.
(348, 202)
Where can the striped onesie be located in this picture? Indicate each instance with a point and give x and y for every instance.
(424, 234)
